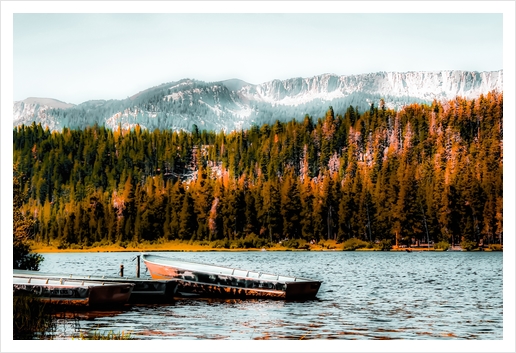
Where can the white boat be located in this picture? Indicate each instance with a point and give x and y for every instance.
(206, 280)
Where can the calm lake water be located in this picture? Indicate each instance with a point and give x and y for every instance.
(364, 296)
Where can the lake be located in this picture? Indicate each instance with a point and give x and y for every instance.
(364, 296)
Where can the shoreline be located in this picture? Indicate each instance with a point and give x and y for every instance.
(164, 248)
(177, 246)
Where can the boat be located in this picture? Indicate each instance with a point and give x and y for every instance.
(204, 280)
(73, 292)
(145, 290)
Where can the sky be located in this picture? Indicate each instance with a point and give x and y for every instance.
(80, 57)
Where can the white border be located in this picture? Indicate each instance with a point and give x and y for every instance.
(505, 7)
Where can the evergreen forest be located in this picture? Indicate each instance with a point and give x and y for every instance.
(427, 172)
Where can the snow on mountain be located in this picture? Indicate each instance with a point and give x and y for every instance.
(235, 104)
(35, 109)
(422, 85)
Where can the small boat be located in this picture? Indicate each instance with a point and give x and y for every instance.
(74, 292)
(145, 290)
(204, 280)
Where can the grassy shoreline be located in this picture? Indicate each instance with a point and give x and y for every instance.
(170, 246)
(193, 247)
(183, 246)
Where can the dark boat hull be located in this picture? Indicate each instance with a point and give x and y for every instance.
(215, 281)
(74, 293)
(145, 291)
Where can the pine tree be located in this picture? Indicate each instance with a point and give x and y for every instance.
(306, 198)
(187, 221)
(290, 206)
(251, 219)
(271, 210)
(22, 230)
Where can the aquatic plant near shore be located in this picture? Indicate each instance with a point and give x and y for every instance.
(96, 335)
(32, 318)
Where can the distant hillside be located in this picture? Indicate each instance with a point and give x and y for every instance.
(422, 173)
(234, 104)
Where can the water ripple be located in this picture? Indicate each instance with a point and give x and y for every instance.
(364, 296)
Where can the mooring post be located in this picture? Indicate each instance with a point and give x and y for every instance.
(138, 266)
(121, 270)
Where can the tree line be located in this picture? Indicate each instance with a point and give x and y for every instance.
(428, 172)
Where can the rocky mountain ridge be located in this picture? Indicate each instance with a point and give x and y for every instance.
(235, 104)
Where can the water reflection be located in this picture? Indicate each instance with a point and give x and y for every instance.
(367, 296)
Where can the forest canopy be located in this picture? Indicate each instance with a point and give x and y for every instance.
(423, 173)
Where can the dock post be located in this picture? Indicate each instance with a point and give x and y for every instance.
(121, 270)
(138, 266)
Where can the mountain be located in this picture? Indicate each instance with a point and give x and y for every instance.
(49, 102)
(35, 109)
(235, 84)
(235, 104)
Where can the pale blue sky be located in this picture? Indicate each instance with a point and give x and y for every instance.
(78, 57)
